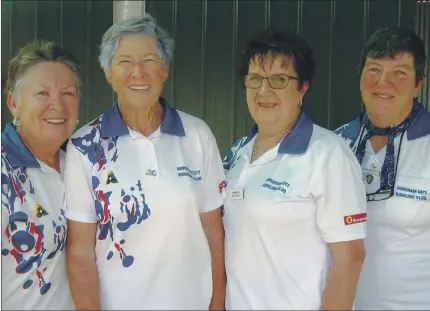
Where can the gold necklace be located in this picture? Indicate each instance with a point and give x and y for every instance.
(274, 143)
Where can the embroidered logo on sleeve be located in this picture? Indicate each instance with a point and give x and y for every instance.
(355, 219)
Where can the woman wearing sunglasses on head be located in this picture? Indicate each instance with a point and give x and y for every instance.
(295, 208)
(392, 143)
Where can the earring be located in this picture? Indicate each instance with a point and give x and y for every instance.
(16, 122)
(300, 103)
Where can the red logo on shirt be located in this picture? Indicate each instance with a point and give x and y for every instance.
(222, 186)
(355, 219)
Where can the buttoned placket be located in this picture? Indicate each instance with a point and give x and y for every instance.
(146, 148)
(246, 169)
(58, 177)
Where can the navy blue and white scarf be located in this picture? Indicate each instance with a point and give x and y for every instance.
(388, 168)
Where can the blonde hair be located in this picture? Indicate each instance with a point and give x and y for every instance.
(34, 53)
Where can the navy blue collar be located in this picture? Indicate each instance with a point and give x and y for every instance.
(419, 128)
(351, 130)
(297, 142)
(17, 153)
(112, 124)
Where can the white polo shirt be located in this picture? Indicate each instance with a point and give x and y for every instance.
(396, 271)
(280, 213)
(146, 194)
(34, 230)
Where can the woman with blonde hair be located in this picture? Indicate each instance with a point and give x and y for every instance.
(42, 94)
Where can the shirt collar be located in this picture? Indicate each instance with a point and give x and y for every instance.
(351, 130)
(17, 153)
(297, 142)
(113, 125)
(419, 128)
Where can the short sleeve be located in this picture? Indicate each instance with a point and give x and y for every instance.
(212, 190)
(341, 198)
(78, 184)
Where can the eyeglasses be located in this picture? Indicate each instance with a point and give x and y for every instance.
(253, 81)
(381, 194)
(130, 65)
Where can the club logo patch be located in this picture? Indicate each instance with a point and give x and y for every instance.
(151, 172)
(110, 178)
(39, 211)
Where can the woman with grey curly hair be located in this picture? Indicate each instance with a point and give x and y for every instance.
(144, 194)
(42, 94)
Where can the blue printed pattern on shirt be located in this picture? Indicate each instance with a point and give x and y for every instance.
(133, 203)
(25, 235)
(353, 126)
(230, 158)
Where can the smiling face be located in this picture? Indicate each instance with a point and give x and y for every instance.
(275, 108)
(137, 73)
(47, 103)
(388, 87)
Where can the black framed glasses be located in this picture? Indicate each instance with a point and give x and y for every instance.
(380, 195)
(253, 81)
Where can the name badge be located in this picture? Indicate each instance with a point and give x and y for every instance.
(236, 194)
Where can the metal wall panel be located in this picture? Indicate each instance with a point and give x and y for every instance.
(423, 30)
(209, 34)
(78, 26)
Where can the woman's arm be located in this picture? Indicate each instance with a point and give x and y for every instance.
(81, 265)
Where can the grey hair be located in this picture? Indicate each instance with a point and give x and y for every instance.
(143, 26)
(33, 53)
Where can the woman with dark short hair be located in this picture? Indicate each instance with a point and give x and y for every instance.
(295, 206)
(392, 143)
